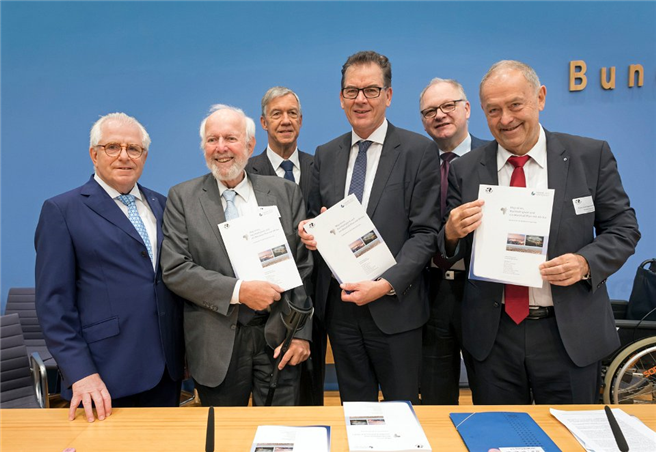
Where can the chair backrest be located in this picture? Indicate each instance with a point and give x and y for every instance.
(17, 388)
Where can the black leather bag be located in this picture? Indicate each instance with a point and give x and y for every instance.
(643, 295)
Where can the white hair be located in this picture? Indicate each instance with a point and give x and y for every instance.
(250, 124)
(96, 131)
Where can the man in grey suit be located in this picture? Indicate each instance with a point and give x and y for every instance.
(282, 119)
(445, 112)
(233, 328)
(375, 326)
(541, 345)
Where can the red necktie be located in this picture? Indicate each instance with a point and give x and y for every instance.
(517, 296)
(444, 188)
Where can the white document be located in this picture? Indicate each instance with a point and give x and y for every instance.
(349, 242)
(384, 427)
(512, 240)
(279, 438)
(592, 430)
(258, 249)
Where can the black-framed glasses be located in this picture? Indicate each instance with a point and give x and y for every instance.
(114, 149)
(446, 107)
(370, 92)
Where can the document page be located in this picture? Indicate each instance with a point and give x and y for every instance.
(383, 426)
(279, 438)
(512, 240)
(349, 243)
(258, 249)
(592, 430)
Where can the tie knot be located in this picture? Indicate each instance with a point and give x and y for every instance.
(229, 195)
(448, 156)
(126, 199)
(518, 161)
(287, 165)
(363, 145)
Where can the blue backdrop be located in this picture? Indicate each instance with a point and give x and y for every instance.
(64, 64)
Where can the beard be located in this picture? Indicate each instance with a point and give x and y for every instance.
(227, 174)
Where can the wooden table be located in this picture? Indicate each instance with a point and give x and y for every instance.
(183, 429)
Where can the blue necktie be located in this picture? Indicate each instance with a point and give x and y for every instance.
(359, 170)
(231, 211)
(288, 166)
(135, 219)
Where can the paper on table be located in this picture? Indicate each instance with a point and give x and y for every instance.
(258, 249)
(592, 430)
(383, 426)
(512, 240)
(279, 438)
(349, 243)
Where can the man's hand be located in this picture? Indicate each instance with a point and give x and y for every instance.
(259, 295)
(90, 390)
(565, 270)
(364, 292)
(298, 351)
(462, 220)
(308, 239)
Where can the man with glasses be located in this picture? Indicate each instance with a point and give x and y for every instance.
(113, 327)
(375, 326)
(444, 112)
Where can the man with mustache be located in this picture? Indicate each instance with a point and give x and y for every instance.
(233, 327)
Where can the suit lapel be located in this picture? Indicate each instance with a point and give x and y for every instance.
(388, 158)
(210, 201)
(262, 193)
(340, 167)
(557, 171)
(487, 170)
(100, 202)
(306, 171)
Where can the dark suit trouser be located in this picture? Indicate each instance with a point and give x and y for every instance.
(528, 363)
(250, 369)
(165, 394)
(313, 371)
(442, 342)
(366, 358)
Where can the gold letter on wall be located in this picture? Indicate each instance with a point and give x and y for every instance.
(633, 69)
(580, 75)
(605, 83)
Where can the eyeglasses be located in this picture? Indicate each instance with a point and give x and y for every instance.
(114, 149)
(370, 92)
(446, 107)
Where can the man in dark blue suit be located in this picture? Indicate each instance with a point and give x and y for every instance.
(109, 321)
(445, 112)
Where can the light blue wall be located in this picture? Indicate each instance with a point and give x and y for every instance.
(66, 63)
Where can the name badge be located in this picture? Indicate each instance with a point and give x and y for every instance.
(583, 205)
(269, 210)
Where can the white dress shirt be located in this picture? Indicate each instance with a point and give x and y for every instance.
(536, 174)
(146, 214)
(377, 139)
(276, 160)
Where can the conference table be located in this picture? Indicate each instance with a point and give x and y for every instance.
(184, 429)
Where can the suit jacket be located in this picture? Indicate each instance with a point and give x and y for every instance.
(577, 167)
(260, 164)
(477, 142)
(101, 306)
(196, 266)
(402, 205)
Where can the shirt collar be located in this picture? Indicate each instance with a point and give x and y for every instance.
(462, 148)
(378, 135)
(243, 188)
(538, 153)
(276, 160)
(113, 193)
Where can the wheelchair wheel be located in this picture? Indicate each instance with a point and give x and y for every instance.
(631, 376)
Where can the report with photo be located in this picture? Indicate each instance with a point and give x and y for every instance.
(383, 426)
(258, 249)
(512, 240)
(280, 438)
(349, 242)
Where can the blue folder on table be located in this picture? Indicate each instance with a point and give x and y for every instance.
(483, 431)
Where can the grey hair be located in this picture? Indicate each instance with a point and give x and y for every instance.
(96, 130)
(276, 92)
(527, 71)
(450, 81)
(250, 124)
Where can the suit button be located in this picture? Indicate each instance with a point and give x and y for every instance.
(233, 326)
(496, 304)
(144, 254)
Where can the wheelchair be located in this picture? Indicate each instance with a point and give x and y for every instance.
(629, 374)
